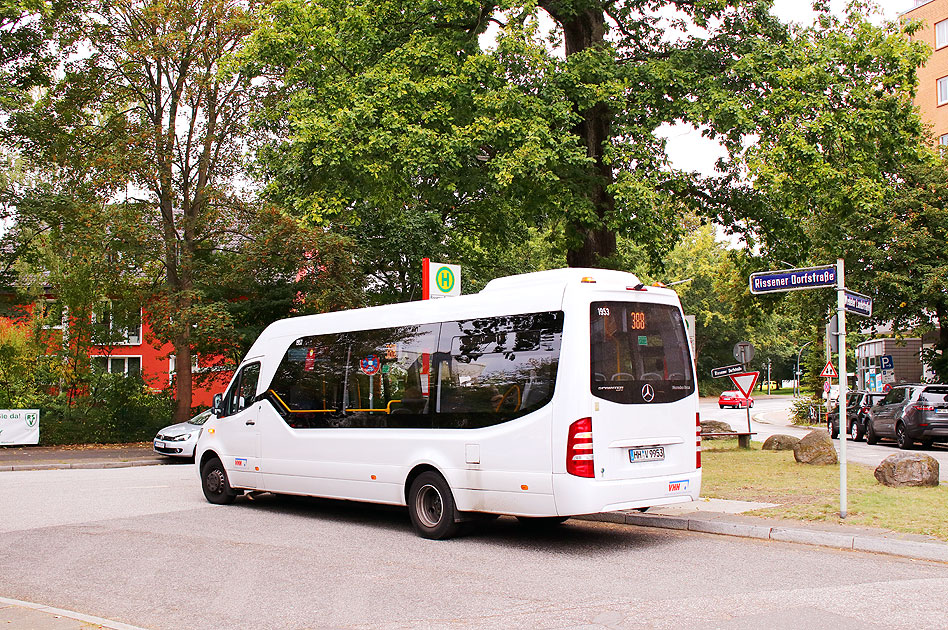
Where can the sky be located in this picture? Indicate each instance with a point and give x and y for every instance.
(689, 151)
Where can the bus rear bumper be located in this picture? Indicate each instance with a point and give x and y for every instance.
(577, 495)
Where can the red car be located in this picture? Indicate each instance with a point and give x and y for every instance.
(734, 399)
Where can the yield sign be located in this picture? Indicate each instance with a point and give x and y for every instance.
(829, 371)
(745, 382)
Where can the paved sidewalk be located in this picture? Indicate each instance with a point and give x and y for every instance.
(719, 516)
(19, 615)
(81, 456)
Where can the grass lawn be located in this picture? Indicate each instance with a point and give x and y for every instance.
(811, 493)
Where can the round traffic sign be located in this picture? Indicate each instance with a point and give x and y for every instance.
(744, 351)
(370, 365)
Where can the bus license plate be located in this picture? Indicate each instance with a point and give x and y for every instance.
(650, 454)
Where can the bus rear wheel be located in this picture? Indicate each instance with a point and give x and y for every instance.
(431, 507)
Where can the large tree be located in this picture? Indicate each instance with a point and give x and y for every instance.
(145, 118)
(842, 167)
(396, 106)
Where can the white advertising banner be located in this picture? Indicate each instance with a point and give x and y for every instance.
(19, 426)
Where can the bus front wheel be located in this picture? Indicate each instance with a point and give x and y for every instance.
(431, 507)
(215, 484)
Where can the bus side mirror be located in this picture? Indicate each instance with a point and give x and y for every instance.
(218, 406)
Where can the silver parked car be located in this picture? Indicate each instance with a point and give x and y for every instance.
(179, 440)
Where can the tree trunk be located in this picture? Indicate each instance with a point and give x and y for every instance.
(183, 386)
(939, 363)
(583, 29)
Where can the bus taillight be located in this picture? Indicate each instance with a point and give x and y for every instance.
(697, 440)
(579, 446)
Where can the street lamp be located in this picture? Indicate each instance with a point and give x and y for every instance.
(797, 373)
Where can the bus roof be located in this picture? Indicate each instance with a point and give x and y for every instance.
(524, 293)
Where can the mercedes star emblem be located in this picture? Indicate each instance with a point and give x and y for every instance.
(647, 393)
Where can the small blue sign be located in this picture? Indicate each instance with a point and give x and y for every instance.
(793, 279)
(857, 303)
(886, 362)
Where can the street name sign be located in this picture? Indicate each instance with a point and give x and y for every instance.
(727, 370)
(857, 303)
(745, 382)
(793, 279)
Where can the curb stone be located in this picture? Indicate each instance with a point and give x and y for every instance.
(86, 465)
(934, 551)
(84, 619)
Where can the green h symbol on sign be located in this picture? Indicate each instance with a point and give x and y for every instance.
(445, 280)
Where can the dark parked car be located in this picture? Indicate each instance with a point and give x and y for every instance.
(858, 404)
(909, 414)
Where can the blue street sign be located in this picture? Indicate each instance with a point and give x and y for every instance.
(858, 303)
(886, 362)
(793, 279)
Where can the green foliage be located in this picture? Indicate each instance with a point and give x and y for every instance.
(806, 411)
(388, 108)
(18, 367)
(713, 290)
(114, 409)
(906, 247)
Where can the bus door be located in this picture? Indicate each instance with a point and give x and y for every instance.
(238, 431)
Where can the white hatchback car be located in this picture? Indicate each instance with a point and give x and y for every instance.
(179, 440)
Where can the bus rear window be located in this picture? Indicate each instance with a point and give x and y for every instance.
(639, 353)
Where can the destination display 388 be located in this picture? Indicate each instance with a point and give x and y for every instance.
(793, 279)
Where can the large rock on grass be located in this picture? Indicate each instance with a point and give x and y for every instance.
(816, 447)
(780, 442)
(908, 469)
(715, 426)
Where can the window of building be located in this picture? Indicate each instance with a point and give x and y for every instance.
(941, 34)
(943, 140)
(116, 324)
(942, 90)
(117, 365)
(52, 314)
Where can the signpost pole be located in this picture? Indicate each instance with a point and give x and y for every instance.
(843, 384)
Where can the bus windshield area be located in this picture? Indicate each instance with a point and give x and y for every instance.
(639, 353)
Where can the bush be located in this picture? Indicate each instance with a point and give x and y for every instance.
(115, 409)
(807, 411)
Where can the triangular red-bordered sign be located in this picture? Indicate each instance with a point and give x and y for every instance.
(829, 371)
(745, 382)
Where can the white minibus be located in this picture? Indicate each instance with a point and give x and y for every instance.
(544, 396)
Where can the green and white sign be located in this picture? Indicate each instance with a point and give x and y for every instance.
(444, 280)
(19, 426)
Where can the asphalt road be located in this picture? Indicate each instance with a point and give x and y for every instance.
(141, 546)
(772, 412)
